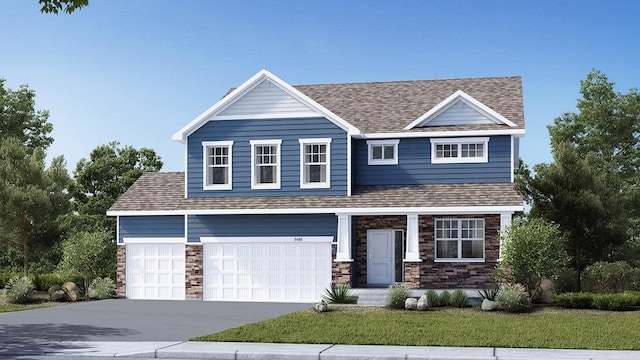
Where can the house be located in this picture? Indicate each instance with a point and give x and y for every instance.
(288, 190)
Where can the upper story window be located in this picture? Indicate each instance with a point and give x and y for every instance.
(315, 163)
(265, 164)
(459, 239)
(217, 174)
(459, 150)
(383, 152)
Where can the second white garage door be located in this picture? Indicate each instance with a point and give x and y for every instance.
(266, 269)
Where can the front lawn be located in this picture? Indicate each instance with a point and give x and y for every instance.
(41, 300)
(546, 327)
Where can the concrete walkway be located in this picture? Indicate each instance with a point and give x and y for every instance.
(257, 351)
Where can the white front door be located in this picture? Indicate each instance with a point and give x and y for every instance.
(380, 255)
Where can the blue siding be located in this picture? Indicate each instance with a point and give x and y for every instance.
(262, 225)
(289, 131)
(151, 226)
(415, 167)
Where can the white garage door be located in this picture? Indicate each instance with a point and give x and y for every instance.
(266, 269)
(155, 271)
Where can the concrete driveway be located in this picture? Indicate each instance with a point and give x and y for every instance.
(128, 320)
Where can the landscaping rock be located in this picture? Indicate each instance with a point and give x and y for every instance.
(53, 289)
(488, 305)
(423, 303)
(322, 307)
(547, 291)
(58, 295)
(411, 304)
(71, 290)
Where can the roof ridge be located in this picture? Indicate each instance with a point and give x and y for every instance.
(410, 81)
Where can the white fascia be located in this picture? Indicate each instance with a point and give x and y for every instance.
(457, 210)
(210, 114)
(467, 99)
(434, 134)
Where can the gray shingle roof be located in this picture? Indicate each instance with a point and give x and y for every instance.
(165, 192)
(383, 107)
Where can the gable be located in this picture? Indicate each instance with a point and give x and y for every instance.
(263, 96)
(459, 113)
(266, 100)
(459, 109)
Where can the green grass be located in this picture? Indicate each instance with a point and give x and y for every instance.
(40, 301)
(542, 328)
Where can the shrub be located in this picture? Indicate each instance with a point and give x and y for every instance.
(609, 277)
(533, 250)
(574, 300)
(432, 298)
(102, 288)
(488, 294)
(43, 282)
(459, 299)
(445, 298)
(342, 294)
(398, 293)
(613, 302)
(19, 290)
(514, 298)
(565, 280)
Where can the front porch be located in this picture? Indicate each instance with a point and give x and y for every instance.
(374, 251)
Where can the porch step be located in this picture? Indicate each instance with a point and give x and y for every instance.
(378, 296)
(371, 297)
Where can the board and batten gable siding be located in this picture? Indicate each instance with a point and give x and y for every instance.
(289, 131)
(415, 167)
(290, 225)
(265, 98)
(459, 114)
(157, 226)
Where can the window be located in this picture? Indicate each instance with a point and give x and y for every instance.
(459, 239)
(315, 163)
(265, 164)
(217, 165)
(383, 152)
(460, 150)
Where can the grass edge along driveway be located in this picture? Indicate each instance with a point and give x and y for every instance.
(546, 327)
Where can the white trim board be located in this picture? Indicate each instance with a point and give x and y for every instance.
(267, 239)
(462, 210)
(153, 240)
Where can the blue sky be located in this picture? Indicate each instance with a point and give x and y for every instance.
(138, 71)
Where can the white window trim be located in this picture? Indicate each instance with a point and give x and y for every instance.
(317, 141)
(255, 143)
(459, 239)
(205, 146)
(372, 161)
(459, 141)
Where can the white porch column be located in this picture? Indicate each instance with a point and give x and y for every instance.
(505, 220)
(343, 252)
(412, 247)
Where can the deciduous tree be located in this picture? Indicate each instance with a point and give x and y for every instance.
(55, 6)
(100, 180)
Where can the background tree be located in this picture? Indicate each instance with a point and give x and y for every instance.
(90, 254)
(20, 120)
(591, 190)
(99, 181)
(31, 197)
(533, 250)
(55, 6)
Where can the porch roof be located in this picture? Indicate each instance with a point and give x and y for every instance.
(164, 192)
